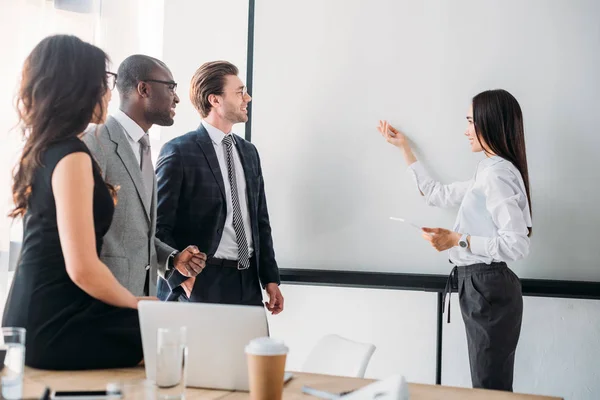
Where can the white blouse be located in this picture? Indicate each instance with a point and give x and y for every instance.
(494, 211)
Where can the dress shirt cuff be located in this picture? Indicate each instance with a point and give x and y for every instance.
(175, 279)
(170, 260)
(480, 245)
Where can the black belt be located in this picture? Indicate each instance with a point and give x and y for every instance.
(219, 262)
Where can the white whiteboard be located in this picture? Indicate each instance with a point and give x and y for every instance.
(326, 71)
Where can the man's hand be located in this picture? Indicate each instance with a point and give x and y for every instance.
(441, 239)
(188, 285)
(190, 262)
(275, 304)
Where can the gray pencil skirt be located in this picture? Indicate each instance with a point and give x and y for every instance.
(491, 303)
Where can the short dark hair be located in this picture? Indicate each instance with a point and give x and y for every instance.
(134, 69)
(209, 79)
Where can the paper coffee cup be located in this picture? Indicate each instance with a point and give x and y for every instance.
(266, 367)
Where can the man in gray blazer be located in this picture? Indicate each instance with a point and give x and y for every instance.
(122, 149)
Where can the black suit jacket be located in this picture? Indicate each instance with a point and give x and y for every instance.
(191, 199)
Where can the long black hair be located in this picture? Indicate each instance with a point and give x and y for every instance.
(499, 124)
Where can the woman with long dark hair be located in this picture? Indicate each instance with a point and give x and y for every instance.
(76, 314)
(492, 228)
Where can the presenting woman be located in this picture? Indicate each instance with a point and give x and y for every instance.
(492, 228)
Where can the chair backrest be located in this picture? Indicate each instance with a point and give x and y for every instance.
(335, 355)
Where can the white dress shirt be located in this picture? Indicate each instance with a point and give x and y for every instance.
(228, 248)
(494, 211)
(134, 133)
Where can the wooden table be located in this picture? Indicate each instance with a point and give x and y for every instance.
(37, 380)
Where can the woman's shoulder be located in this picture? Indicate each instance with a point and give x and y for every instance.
(58, 150)
(497, 166)
(501, 173)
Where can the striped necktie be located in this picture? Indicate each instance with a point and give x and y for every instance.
(238, 222)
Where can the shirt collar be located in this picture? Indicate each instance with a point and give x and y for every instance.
(489, 161)
(132, 129)
(216, 135)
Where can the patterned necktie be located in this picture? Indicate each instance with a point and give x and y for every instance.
(238, 223)
(146, 166)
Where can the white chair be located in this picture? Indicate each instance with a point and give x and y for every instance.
(335, 355)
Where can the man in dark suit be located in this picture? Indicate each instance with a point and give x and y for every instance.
(211, 193)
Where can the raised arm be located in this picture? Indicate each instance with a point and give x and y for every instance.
(73, 187)
(438, 194)
(435, 193)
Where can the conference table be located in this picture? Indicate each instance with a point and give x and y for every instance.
(36, 381)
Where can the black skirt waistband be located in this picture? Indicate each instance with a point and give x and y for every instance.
(468, 270)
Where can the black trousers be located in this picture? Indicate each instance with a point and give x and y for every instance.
(491, 303)
(226, 284)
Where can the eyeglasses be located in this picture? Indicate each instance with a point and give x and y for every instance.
(111, 80)
(242, 93)
(172, 85)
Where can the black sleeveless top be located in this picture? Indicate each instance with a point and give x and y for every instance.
(66, 327)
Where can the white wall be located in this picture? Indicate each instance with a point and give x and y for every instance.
(119, 27)
(23, 23)
(128, 27)
(196, 32)
(558, 350)
(557, 353)
(401, 324)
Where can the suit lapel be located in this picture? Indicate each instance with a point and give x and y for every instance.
(206, 144)
(125, 153)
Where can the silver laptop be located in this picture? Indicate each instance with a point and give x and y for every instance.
(217, 335)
